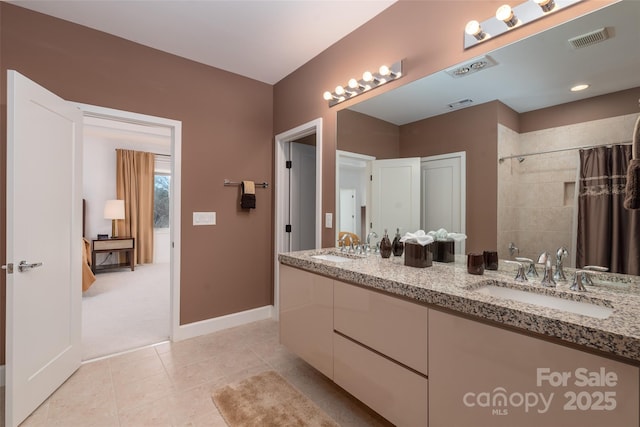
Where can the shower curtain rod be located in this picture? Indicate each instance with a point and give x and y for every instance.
(155, 154)
(584, 147)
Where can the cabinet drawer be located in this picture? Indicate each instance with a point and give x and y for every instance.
(391, 390)
(394, 327)
(105, 245)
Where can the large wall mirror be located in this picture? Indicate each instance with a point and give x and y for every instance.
(515, 104)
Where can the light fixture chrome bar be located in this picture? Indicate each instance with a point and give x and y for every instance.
(369, 81)
(529, 11)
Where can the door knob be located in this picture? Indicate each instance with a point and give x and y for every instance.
(24, 266)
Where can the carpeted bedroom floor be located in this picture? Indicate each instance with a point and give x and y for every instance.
(126, 309)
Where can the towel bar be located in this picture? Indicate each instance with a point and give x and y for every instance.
(229, 183)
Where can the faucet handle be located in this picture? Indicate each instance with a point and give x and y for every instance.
(532, 272)
(520, 275)
(583, 277)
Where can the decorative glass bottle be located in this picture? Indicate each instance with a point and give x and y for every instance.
(385, 246)
(397, 246)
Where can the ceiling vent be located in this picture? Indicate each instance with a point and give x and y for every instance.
(589, 39)
(471, 67)
(460, 104)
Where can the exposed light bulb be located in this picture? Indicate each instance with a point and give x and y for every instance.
(474, 29)
(353, 84)
(339, 90)
(545, 5)
(327, 96)
(384, 70)
(367, 76)
(505, 14)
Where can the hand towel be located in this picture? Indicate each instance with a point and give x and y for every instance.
(632, 193)
(419, 237)
(248, 198)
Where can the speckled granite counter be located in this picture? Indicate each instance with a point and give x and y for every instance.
(450, 286)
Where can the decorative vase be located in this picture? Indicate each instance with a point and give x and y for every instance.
(385, 246)
(397, 246)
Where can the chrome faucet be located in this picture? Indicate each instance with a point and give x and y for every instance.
(342, 243)
(561, 254)
(513, 249)
(547, 278)
(586, 277)
(520, 275)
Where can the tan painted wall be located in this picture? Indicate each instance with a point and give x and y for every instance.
(359, 133)
(227, 133)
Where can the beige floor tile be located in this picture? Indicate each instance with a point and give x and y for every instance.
(142, 392)
(154, 414)
(213, 419)
(182, 353)
(131, 370)
(188, 406)
(37, 419)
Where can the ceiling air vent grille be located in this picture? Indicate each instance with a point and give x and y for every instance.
(589, 39)
(460, 104)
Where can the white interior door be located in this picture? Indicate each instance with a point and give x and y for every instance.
(395, 198)
(303, 196)
(44, 221)
(348, 210)
(443, 183)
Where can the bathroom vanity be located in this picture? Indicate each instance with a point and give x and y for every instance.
(431, 346)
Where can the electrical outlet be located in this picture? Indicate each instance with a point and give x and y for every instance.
(328, 220)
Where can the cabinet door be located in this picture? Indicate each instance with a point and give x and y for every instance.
(306, 317)
(481, 375)
(392, 326)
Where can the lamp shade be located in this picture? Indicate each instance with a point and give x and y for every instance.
(114, 209)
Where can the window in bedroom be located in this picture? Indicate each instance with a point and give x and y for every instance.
(161, 200)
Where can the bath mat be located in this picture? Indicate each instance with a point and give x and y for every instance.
(268, 399)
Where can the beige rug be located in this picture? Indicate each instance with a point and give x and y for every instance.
(267, 399)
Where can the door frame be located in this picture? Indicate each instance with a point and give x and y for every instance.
(174, 202)
(462, 155)
(282, 201)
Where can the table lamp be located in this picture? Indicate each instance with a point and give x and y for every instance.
(114, 210)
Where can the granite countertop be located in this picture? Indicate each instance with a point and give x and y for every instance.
(448, 285)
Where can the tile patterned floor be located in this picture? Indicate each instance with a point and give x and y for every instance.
(171, 384)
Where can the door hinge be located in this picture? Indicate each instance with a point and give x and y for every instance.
(287, 228)
(371, 178)
(288, 164)
(8, 267)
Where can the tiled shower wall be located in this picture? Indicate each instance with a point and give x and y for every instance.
(536, 197)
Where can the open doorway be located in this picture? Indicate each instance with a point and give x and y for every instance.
(124, 309)
(289, 192)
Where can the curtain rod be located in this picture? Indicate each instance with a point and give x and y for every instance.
(155, 154)
(584, 147)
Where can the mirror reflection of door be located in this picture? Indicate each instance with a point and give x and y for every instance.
(302, 193)
(395, 195)
(443, 192)
(348, 210)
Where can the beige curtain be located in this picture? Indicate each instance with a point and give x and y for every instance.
(134, 185)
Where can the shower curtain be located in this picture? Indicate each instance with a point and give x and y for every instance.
(608, 234)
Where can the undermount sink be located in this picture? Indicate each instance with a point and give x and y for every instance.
(332, 258)
(571, 306)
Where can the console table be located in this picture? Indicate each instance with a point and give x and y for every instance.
(114, 244)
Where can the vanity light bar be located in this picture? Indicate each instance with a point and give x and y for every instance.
(369, 81)
(508, 18)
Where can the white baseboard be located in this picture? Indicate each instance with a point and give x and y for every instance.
(2, 376)
(223, 322)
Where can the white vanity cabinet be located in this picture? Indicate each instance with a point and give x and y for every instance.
(306, 317)
(380, 352)
(482, 375)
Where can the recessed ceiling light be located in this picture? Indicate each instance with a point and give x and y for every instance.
(578, 88)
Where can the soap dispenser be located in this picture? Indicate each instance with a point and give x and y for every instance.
(385, 246)
(397, 245)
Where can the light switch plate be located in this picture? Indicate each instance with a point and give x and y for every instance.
(204, 218)
(328, 220)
